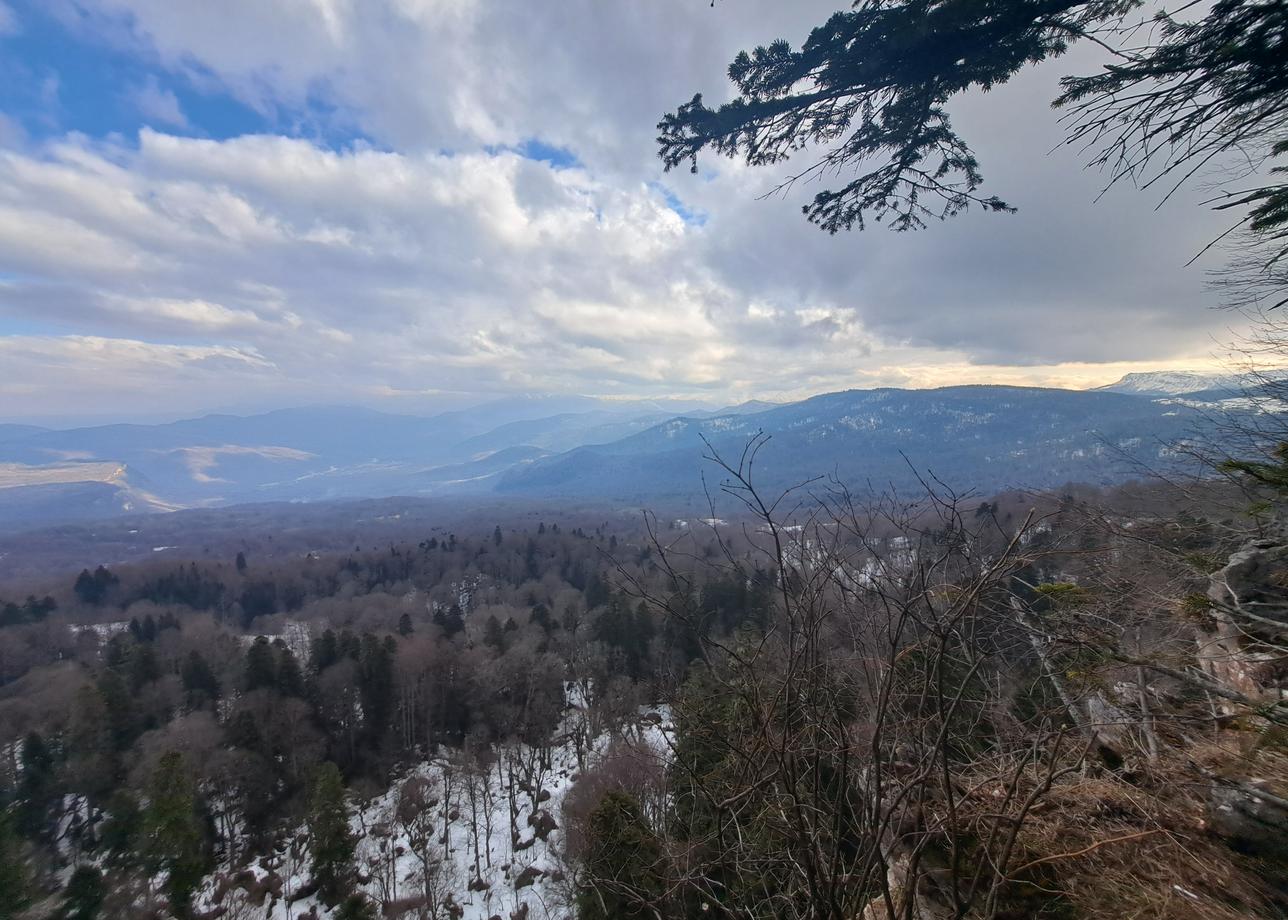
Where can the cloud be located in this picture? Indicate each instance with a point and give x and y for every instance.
(88, 375)
(8, 20)
(439, 253)
(158, 104)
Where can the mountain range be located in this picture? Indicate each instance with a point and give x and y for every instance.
(981, 437)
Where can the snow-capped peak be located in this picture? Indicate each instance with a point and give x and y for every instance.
(1172, 383)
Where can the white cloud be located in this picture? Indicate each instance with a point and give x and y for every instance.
(8, 19)
(436, 263)
(158, 104)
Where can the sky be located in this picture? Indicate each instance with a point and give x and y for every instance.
(419, 204)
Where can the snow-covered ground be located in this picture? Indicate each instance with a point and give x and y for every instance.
(103, 631)
(470, 839)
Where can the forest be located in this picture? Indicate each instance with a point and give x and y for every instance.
(1034, 703)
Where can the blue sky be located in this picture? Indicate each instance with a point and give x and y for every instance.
(58, 75)
(251, 204)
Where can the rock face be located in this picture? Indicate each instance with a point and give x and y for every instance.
(1241, 645)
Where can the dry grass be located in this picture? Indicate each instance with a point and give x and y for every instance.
(1144, 849)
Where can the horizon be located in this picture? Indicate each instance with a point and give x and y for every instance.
(601, 403)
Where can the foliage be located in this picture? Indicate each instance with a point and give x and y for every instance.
(872, 83)
(14, 879)
(83, 896)
(1272, 473)
(94, 588)
(356, 907)
(331, 842)
(172, 830)
(623, 864)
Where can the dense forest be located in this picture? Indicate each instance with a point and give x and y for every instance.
(1029, 704)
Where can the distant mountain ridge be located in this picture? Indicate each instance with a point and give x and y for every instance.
(985, 437)
(1174, 383)
(982, 437)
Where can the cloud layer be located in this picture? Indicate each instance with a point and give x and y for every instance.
(456, 199)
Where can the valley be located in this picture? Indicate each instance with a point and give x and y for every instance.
(999, 437)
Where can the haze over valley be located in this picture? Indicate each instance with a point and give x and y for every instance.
(637, 454)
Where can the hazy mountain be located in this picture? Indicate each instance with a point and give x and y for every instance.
(295, 454)
(745, 408)
(970, 437)
(17, 432)
(981, 437)
(563, 432)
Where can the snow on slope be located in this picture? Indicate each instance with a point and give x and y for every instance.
(1173, 383)
(427, 818)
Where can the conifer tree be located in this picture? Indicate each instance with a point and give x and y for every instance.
(261, 669)
(623, 863)
(144, 666)
(199, 681)
(172, 831)
(290, 679)
(493, 635)
(35, 785)
(871, 86)
(122, 828)
(14, 881)
(356, 907)
(83, 896)
(325, 652)
(331, 840)
(376, 685)
(122, 717)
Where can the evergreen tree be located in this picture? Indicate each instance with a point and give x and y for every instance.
(872, 84)
(172, 830)
(376, 686)
(261, 668)
(349, 645)
(123, 826)
(541, 616)
(200, 685)
(493, 636)
(356, 907)
(144, 666)
(331, 840)
(93, 589)
(35, 785)
(404, 625)
(259, 599)
(241, 562)
(92, 760)
(290, 679)
(122, 717)
(83, 896)
(325, 652)
(451, 621)
(623, 864)
(496, 535)
(15, 884)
